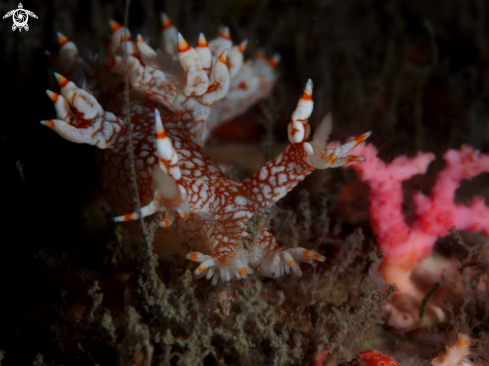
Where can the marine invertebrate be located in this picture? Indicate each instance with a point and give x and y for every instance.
(376, 358)
(368, 357)
(463, 351)
(406, 246)
(175, 101)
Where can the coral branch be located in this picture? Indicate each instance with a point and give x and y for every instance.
(435, 214)
(405, 247)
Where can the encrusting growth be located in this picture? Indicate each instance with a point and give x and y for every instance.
(175, 102)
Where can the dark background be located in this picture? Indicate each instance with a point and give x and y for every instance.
(413, 71)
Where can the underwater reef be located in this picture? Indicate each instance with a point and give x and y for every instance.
(383, 260)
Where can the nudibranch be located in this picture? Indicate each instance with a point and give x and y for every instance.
(177, 95)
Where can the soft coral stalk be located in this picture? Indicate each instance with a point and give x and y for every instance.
(405, 246)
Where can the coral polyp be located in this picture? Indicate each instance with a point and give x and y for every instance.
(462, 351)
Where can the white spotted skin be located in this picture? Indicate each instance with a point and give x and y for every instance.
(220, 207)
(204, 212)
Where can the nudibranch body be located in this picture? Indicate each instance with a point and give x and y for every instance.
(174, 102)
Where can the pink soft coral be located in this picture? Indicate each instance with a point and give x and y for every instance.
(406, 246)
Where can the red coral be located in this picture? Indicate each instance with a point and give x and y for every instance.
(406, 246)
(368, 357)
(375, 358)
